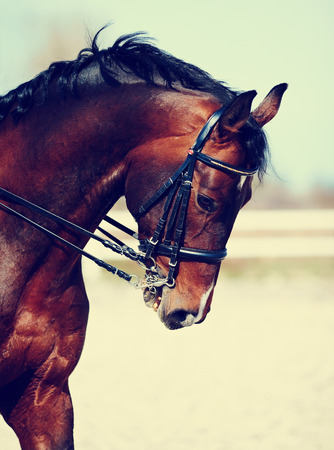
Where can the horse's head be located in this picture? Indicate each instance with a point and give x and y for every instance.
(219, 185)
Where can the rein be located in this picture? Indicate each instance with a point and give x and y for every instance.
(117, 247)
(172, 221)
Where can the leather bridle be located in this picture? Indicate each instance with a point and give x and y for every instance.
(168, 235)
(172, 222)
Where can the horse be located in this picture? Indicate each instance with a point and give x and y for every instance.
(130, 120)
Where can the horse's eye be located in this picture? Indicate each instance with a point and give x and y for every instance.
(207, 203)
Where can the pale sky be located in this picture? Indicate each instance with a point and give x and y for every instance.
(248, 44)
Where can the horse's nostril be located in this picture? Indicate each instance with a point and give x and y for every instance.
(179, 319)
(180, 316)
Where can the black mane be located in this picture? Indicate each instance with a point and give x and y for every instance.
(132, 53)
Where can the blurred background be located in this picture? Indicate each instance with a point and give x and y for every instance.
(259, 372)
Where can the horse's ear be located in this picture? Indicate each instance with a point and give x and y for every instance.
(270, 105)
(237, 113)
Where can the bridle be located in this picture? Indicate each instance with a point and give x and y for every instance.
(171, 225)
(172, 221)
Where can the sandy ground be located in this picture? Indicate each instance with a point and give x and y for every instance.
(258, 374)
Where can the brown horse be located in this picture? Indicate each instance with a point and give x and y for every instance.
(75, 139)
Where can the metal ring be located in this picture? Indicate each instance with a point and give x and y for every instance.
(134, 283)
(170, 285)
(153, 268)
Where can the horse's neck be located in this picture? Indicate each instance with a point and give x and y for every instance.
(69, 157)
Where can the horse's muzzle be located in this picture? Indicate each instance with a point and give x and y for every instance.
(179, 319)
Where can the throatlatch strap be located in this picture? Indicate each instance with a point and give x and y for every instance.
(162, 223)
(148, 205)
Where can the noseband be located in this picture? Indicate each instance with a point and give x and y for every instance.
(171, 224)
